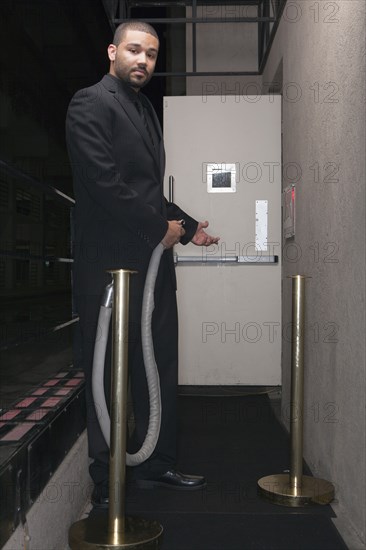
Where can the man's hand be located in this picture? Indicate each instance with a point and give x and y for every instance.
(201, 238)
(174, 233)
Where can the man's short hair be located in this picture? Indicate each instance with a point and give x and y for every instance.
(133, 26)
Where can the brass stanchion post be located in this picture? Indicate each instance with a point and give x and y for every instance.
(294, 489)
(117, 531)
(297, 382)
(117, 452)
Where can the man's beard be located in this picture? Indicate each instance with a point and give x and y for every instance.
(126, 76)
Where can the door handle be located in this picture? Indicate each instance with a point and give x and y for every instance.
(171, 189)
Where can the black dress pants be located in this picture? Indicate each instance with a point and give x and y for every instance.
(165, 338)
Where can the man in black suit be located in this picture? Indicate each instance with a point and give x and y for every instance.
(117, 155)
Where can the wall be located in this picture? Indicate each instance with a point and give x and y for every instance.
(223, 47)
(322, 49)
(60, 504)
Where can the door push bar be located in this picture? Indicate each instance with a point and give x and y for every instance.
(218, 260)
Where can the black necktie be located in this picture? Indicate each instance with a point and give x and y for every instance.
(141, 109)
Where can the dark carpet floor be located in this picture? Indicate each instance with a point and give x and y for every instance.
(233, 442)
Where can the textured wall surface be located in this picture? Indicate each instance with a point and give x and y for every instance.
(322, 49)
(59, 505)
(223, 47)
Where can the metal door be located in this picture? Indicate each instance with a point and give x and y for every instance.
(224, 165)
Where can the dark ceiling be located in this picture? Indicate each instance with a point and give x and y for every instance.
(49, 49)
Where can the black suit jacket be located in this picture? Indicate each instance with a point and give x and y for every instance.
(120, 212)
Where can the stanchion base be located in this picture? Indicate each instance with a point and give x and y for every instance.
(90, 533)
(313, 490)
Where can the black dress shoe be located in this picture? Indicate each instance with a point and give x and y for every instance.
(172, 479)
(100, 498)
